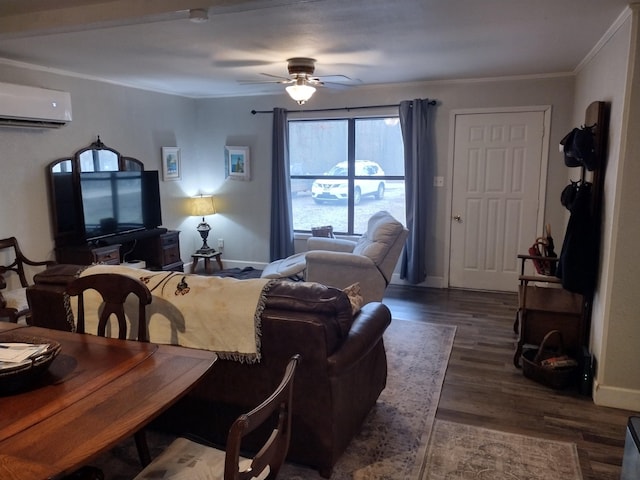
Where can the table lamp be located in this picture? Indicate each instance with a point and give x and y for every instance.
(201, 207)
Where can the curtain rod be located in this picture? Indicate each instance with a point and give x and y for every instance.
(253, 112)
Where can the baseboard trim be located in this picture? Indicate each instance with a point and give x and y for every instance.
(615, 397)
(429, 282)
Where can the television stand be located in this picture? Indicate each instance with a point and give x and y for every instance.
(158, 247)
(127, 237)
(89, 254)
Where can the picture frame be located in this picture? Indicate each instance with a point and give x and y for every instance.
(171, 164)
(237, 163)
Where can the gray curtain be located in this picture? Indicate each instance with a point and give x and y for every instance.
(281, 236)
(418, 169)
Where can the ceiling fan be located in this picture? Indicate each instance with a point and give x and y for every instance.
(301, 82)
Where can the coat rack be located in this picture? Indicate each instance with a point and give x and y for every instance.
(597, 114)
(568, 310)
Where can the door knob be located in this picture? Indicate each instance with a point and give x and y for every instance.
(457, 218)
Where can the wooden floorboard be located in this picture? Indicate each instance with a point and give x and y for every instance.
(483, 388)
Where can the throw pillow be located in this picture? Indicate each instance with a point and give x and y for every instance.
(355, 297)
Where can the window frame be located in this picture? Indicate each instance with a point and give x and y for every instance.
(351, 164)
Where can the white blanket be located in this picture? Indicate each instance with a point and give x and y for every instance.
(210, 313)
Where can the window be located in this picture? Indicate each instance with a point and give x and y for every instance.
(343, 171)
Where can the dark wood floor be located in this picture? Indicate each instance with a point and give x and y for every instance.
(483, 388)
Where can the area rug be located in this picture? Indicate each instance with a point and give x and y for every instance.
(239, 273)
(393, 441)
(464, 452)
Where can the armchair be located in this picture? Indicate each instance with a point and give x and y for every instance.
(370, 260)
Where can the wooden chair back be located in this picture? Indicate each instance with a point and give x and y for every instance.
(18, 260)
(114, 290)
(15, 263)
(274, 451)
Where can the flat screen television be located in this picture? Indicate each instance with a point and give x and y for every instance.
(115, 203)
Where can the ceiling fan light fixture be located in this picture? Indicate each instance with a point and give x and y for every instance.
(300, 92)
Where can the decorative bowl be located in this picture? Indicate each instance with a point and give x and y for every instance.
(14, 377)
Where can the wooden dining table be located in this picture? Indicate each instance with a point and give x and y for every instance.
(97, 392)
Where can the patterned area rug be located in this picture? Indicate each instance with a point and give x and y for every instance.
(239, 273)
(464, 452)
(394, 438)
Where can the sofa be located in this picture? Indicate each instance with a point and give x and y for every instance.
(342, 372)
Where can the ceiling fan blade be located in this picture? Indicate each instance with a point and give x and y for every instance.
(339, 79)
(277, 79)
(315, 81)
(240, 63)
(282, 79)
(337, 86)
(254, 82)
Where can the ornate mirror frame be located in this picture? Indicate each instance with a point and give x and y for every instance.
(63, 175)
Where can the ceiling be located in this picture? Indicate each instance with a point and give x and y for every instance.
(153, 45)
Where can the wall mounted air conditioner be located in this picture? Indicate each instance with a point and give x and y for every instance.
(23, 106)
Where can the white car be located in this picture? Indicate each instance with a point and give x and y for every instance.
(336, 189)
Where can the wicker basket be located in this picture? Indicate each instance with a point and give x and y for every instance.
(532, 368)
(324, 231)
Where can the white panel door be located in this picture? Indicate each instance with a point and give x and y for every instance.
(496, 185)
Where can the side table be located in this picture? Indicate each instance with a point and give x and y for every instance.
(545, 308)
(207, 259)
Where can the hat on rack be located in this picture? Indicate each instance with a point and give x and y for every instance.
(579, 148)
(566, 146)
(569, 194)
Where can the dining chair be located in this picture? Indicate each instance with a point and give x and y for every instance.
(186, 458)
(114, 290)
(13, 302)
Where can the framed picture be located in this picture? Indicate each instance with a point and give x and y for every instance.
(171, 169)
(237, 164)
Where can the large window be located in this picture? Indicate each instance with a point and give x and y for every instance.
(343, 171)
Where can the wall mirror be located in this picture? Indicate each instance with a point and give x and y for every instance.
(64, 184)
(96, 157)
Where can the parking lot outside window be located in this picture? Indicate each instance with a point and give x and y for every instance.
(342, 171)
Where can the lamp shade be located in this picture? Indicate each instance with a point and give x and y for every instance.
(300, 92)
(202, 206)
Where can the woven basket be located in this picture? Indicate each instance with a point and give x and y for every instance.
(532, 368)
(324, 231)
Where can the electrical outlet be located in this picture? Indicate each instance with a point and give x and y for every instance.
(438, 181)
(220, 243)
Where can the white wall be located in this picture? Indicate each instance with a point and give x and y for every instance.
(134, 122)
(139, 123)
(612, 76)
(245, 214)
